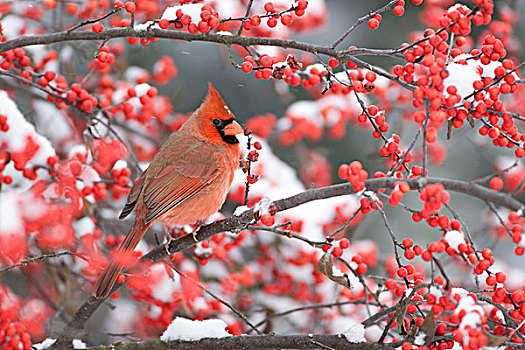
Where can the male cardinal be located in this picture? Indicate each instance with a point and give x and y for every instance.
(186, 182)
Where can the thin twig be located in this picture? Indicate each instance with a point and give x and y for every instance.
(248, 8)
(361, 20)
(35, 259)
(84, 23)
(216, 297)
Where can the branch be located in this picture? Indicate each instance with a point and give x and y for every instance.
(360, 21)
(300, 341)
(113, 33)
(34, 259)
(311, 307)
(236, 223)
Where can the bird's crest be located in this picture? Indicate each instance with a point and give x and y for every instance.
(214, 106)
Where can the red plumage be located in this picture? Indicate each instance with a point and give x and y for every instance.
(187, 180)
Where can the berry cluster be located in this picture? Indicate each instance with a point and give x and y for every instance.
(207, 19)
(14, 336)
(355, 174)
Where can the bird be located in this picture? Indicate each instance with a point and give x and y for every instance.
(186, 182)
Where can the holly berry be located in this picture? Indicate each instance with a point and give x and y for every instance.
(98, 27)
(130, 7)
(373, 23)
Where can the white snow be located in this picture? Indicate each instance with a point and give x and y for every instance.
(51, 122)
(45, 344)
(193, 10)
(240, 210)
(146, 26)
(120, 164)
(166, 286)
(201, 251)
(19, 129)
(133, 73)
(10, 213)
(11, 26)
(262, 206)
(472, 316)
(454, 239)
(355, 333)
(122, 318)
(16, 139)
(83, 226)
(89, 175)
(142, 89)
(435, 291)
(80, 149)
(462, 77)
(185, 329)
(79, 344)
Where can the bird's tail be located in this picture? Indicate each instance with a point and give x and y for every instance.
(121, 258)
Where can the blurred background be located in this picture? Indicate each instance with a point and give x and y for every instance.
(465, 156)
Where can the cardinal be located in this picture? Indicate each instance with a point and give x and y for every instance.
(186, 182)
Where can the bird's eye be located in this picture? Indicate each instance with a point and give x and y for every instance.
(216, 122)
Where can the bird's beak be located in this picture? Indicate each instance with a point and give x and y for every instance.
(233, 128)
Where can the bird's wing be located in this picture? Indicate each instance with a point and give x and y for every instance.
(132, 197)
(177, 182)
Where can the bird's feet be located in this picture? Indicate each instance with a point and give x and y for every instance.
(194, 233)
(168, 236)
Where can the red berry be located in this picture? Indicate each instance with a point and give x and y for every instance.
(8, 180)
(75, 167)
(361, 269)
(102, 57)
(130, 7)
(337, 252)
(373, 23)
(121, 278)
(496, 183)
(402, 272)
(268, 7)
(164, 23)
(399, 10)
(246, 67)
(490, 280)
(390, 284)
(409, 254)
(332, 62)
(500, 277)
(50, 75)
(98, 27)
(267, 219)
(42, 81)
(265, 61)
(344, 243)
(286, 19)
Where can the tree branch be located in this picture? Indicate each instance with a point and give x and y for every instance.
(360, 21)
(270, 341)
(113, 33)
(34, 259)
(236, 223)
